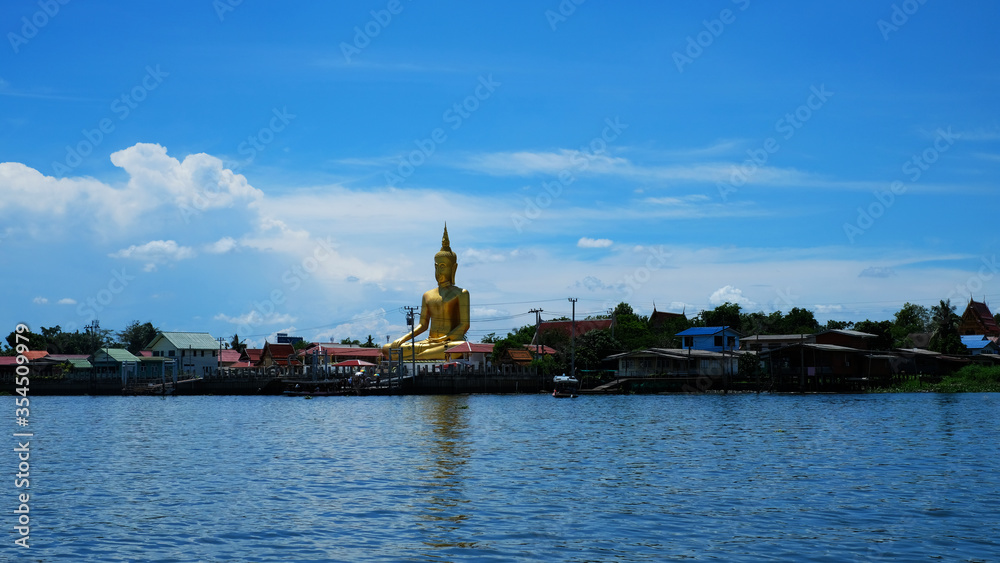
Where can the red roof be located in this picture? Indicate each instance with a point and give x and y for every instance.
(253, 354)
(545, 350)
(566, 327)
(982, 316)
(229, 356)
(279, 350)
(35, 354)
(470, 348)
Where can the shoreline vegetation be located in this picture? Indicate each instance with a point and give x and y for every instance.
(968, 379)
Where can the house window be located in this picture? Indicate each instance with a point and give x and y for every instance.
(731, 341)
(718, 340)
(688, 341)
(171, 353)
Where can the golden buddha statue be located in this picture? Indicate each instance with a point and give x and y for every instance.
(444, 309)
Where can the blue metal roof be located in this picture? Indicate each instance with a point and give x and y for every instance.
(703, 331)
(975, 341)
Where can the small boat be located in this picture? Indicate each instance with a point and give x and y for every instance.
(565, 387)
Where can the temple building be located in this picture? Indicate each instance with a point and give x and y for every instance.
(978, 319)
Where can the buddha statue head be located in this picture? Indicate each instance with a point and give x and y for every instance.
(445, 262)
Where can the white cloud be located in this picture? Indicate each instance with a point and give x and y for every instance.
(255, 319)
(827, 309)
(594, 243)
(198, 183)
(221, 246)
(66, 301)
(40, 300)
(527, 163)
(730, 294)
(155, 252)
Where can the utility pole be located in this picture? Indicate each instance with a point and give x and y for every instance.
(572, 357)
(538, 337)
(611, 313)
(219, 363)
(409, 321)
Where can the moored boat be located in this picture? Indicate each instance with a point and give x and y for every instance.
(565, 387)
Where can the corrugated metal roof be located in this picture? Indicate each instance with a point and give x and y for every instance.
(705, 331)
(116, 354)
(855, 333)
(976, 341)
(188, 340)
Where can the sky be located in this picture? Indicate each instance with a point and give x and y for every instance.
(252, 167)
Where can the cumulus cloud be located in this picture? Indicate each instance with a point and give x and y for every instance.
(155, 252)
(594, 242)
(221, 246)
(66, 301)
(198, 183)
(731, 294)
(40, 300)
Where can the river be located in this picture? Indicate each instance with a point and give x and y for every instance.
(896, 477)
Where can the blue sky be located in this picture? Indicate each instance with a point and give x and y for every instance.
(247, 166)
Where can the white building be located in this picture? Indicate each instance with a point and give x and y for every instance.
(196, 353)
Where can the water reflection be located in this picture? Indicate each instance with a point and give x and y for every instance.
(442, 474)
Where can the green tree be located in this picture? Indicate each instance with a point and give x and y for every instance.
(838, 325)
(944, 321)
(348, 342)
(631, 331)
(727, 314)
(593, 347)
(515, 339)
(235, 344)
(800, 321)
(370, 343)
(882, 331)
(136, 336)
(489, 338)
(762, 323)
(910, 319)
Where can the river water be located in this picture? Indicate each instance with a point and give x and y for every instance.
(903, 477)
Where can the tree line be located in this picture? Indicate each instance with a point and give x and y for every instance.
(935, 328)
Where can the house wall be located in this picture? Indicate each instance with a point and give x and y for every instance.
(844, 340)
(707, 342)
(189, 362)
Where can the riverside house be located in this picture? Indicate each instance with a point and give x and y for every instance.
(196, 353)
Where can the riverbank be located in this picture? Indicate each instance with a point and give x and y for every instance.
(969, 379)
